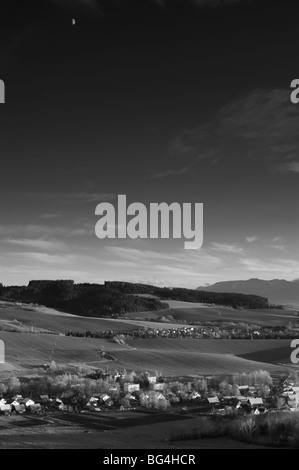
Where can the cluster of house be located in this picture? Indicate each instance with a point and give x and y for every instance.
(242, 403)
(291, 395)
(249, 401)
(19, 405)
(131, 395)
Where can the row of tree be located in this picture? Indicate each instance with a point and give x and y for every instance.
(81, 299)
(191, 295)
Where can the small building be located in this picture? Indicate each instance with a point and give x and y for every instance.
(44, 399)
(129, 396)
(35, 408)
(129, 388)
(16, 402)
(19, 409)
(243, 389)
(157, 387)
(27, 402)
(18, 397)
(159, 396)
(57, 403)
(104, 397)
(255, 402)
(242, 399)
(92, 406)
(93, 400)
(5, 409)
(152, 379)
(194, 395)
(213, 400)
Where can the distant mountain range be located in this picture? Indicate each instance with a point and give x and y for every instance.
(277, 291)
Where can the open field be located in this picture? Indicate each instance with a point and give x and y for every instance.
(192, 312)
(60, 322)
(213, 355)
(167, 356)
(236, 347)
(119, 430)
(24, 349)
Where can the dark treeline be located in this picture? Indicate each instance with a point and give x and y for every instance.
(191, 295)
(81, 299)
(114, 299)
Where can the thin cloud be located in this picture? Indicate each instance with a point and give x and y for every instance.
(181, 258)
(171, 172)
(289, 167)
(262, 126)
(64, 198)
(50, 215)
(38, 244)
(284, 268)
(275, 243)
(251, 239)
(32, 231)
(44, 258)
(276, 247)
(226, 248)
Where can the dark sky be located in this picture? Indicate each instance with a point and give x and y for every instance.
(175, 101)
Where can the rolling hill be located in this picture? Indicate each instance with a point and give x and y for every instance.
(169, 356)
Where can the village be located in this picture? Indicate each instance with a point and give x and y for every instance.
(205, 395)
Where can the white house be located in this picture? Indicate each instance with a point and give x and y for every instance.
(27, 402)
(104, 397)
(16, 402)
(129, 388)
(5, 408)
(160, 396)
(157, 387)
(152, 379)
(194, 395)
(93, 400)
